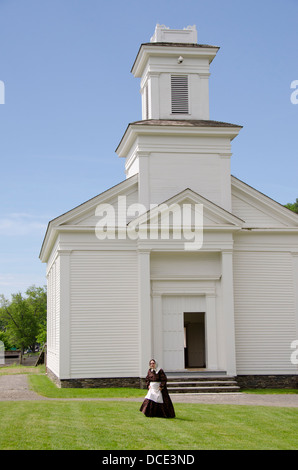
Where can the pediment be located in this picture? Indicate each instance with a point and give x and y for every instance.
(83, 217)
(213, 216)
(85, 214)
(258, 210)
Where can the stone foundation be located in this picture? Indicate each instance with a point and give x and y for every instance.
(244, 381)
(267, 381)
(109, 382)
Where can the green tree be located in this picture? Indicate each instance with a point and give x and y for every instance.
(37, 299)
(293, 207)
(24, 318)
(3, 338)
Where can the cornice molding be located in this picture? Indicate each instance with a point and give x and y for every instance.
(175, 128)
(147, 50)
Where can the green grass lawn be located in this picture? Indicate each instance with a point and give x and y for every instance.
(119, 425)
(45, 387)
(17, 369)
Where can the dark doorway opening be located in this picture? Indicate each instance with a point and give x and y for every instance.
(194, 340)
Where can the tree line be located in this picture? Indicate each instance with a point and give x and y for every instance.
(293, 206)
(23, 319)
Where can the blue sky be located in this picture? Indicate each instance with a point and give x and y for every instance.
(69, 96)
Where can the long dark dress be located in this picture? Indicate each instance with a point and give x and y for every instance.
(152, 409)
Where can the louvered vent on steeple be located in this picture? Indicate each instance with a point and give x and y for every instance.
(179, 94)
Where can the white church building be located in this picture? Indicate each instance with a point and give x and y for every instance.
(181, 261)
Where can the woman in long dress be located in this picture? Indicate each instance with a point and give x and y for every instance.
(157, 402)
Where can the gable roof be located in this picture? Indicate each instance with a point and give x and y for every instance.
(259, 210)
(78, 211)
(250, 209)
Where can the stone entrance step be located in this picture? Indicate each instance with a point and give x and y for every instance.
(201, 384)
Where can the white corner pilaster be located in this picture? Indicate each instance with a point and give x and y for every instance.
(295, 282)
(153, 83)
(225, 172)
(144, 187)
(64, 346)
(145, 321)
(227, 281)
(204, 95)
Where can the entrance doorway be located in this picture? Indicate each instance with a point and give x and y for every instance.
(194, 340)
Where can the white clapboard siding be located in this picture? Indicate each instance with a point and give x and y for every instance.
(90, 219)
(253, 215)
(53, 317)
(192, 265)
(104, 314)
(164, 169)
(264, 312)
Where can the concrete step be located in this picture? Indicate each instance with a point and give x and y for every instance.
(210, 389)
(202, 385)
(186, 374)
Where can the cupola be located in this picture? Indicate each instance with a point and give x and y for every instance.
(174, 73)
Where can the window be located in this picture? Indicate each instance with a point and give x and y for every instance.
(179, 94)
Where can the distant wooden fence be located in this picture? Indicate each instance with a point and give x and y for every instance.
(16, 357)
(12, 357)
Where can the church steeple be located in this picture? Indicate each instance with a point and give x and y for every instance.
(175, 146)
(174, 72)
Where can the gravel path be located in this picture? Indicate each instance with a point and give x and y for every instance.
(15, 388)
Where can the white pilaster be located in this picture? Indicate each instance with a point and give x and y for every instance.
(295, 282)
(211, 333)
(145, 320)
(157, 328)
(144, 188)
(154, 99)
(228, 310)
(64, 347)
(225, 171)
(204, 96)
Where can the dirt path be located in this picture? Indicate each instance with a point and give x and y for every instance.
(16, 387)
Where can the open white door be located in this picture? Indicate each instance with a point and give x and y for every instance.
(173, 335)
